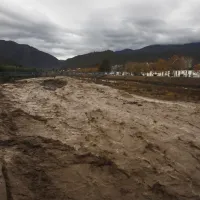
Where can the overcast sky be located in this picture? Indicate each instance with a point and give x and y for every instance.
(66, 28)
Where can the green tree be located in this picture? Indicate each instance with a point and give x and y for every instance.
(105, 66)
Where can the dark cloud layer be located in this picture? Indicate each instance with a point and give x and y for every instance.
(65, 29)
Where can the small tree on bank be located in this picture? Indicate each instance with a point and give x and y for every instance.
(105, 66)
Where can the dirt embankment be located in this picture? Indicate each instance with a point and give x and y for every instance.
(163, 88)
(78, 140)
(164, 81)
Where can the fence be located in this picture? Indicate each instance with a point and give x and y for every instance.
(19, 74)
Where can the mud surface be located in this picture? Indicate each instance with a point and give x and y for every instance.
(84, 141)
(53, 84)
(153, 90)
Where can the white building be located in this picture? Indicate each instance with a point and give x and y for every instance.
(175, 73)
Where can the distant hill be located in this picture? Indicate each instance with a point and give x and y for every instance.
(12, 53)
(88, 60)
(125, 51)
(149, 53)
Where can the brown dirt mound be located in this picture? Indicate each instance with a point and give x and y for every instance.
(53, 84)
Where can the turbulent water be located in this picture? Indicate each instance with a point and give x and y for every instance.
(68, 139)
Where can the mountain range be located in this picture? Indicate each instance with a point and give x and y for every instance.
(146, 54)
(13, 53)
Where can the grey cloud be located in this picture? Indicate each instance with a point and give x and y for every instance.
(42, 34)
(148, 24)
(23, 27)
(131, 24)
